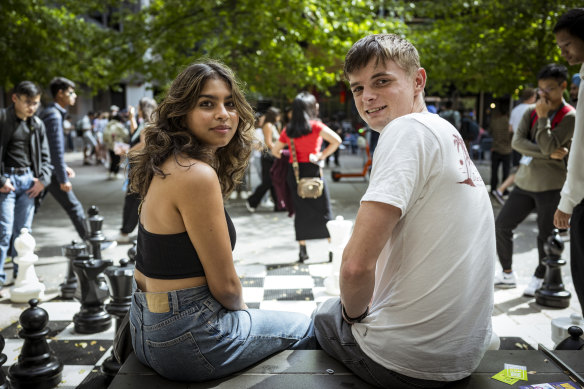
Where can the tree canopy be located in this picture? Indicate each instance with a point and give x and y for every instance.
(275, 47)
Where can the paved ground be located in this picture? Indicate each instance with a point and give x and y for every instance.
(266, 237)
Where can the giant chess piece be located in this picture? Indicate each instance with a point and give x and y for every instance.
(27, 284)
(340, 231)
(120, 280)
(71, 251)
(552, 293)
(132, 251)
(92, 317)
(96, 236)
(3, 358)
(37, 366)
(574, 342)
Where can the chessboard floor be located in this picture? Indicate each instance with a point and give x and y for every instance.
(284, 287)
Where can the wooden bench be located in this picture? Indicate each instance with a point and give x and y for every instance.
(315, 369)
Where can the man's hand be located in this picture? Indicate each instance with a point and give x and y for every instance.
(560, 153)
(36, 189)
(66, 187)
(7, 188)
(543, 107)
(562, 220)
(70, 172)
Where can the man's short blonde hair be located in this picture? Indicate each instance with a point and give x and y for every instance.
(382, 47)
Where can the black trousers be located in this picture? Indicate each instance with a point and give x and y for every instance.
(115, 160)
(496, 160)
(577, 251)
(130, 213)
(267, 161)
(71, 205)
(516, 209)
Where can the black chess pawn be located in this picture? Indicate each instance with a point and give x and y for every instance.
(71, 251)
(96, 236)
(574, 342)
(553, 293)
(132, 251)
(3, 358)
(92, 317)
(120, 280)
(37, 366)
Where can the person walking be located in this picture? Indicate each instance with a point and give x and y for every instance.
(188, 316)
(501, 150)
(146, 108)
(61, 188)
(25, 166)
(304, 135)
(271, 135)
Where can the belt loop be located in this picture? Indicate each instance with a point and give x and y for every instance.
(174, 297)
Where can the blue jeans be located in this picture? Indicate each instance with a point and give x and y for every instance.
(187, 335)
(16, 212)
(336, 338)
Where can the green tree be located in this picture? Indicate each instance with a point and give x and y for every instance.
(275, 47)
(486, 45)
(40, 39)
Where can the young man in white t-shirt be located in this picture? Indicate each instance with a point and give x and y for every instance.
(416, 277)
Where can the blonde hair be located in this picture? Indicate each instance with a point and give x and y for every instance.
(382, 48)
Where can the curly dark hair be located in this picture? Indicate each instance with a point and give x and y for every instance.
(169, 135)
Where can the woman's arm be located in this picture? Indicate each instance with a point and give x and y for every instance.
(200, 204)
(277, 149)
(267, 130)
(333, 139)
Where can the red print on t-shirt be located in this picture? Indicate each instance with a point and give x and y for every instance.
(465, 163)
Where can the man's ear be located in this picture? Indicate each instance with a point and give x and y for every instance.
(420, 80)
(14, 97)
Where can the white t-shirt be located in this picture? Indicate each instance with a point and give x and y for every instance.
(430, 315)
(516, 115)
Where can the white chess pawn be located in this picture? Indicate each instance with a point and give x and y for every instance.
(27, 284)
(340, 231)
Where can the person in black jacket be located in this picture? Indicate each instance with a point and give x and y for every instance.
(63, 91)
(25, 166)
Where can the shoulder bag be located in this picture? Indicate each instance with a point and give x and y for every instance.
(307, 187)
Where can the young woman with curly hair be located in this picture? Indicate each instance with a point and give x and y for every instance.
(188, 319)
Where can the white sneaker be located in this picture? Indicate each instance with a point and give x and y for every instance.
(249, 207)
(505, 280)
(533, 285)
(122, 238)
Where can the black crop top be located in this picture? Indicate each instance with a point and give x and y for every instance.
(171, 256)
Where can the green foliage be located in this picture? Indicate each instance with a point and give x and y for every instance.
(488, 45)
(39, 41)
(276, 47)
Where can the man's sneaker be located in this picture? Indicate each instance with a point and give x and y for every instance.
(505, 280)
(122, 238)
(108, 245)
(533, 285)
(249, 207)
(498, 196)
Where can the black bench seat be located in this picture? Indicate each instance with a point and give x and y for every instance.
(315, 369)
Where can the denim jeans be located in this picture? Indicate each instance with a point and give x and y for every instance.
(16, 212)
(336, 338)
(187, 335)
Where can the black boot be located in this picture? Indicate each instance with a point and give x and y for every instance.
(302, 255)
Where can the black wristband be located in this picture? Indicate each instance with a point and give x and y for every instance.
(357, 319)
